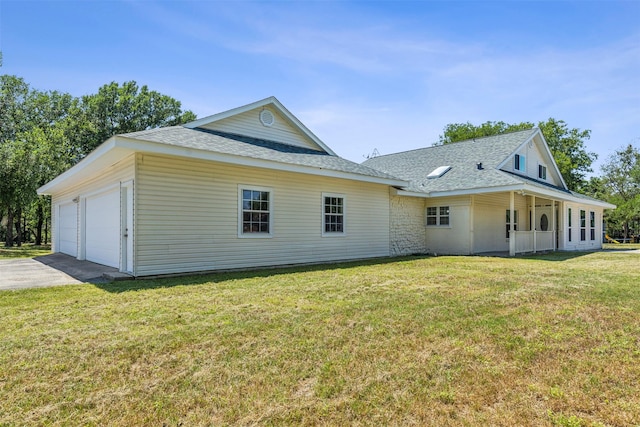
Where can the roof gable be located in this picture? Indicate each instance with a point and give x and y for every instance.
(266, 119)
(474, 163)
(534, 152)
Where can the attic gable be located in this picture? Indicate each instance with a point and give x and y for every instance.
(266, 119)
(533, 160)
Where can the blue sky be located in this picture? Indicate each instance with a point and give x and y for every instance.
(361, 75)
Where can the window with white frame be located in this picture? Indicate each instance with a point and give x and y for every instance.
(515, 221)
(438, 215)
(255, 212)
(519, 163)
(333, 210)
(583, 225)
(542, 172)
(569, 223)
(592, 225)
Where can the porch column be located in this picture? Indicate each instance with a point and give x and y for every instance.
(512, 234)
(534, 221)
(554, 222)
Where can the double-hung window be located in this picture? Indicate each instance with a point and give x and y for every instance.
(519, 163)
(333, 214)
(438, 215)
(569, 223)
(542, 172)
(592, 225)
(583, 225)
(256, 212)
(515, 221)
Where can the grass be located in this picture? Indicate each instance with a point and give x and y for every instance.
(621, 246)
(548, 340)
(24, 251)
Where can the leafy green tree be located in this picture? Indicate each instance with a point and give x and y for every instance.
(621, 178)
(567, 145)
(44, 133)
(119, 109)
(14, 97)
(456, 132)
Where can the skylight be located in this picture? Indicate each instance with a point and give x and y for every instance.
(438, 172)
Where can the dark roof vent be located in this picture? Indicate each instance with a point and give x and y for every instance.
(479, 166)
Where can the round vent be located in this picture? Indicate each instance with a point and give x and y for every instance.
(267, 118)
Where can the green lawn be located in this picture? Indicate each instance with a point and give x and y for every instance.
(543, 340)
(24, 251)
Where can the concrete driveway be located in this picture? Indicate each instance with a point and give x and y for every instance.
(52, 270)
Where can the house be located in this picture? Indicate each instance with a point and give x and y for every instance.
(496, 194)
(248, 187)
(254, 187)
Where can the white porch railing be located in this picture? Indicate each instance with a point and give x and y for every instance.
(524, 241)
(544, 240)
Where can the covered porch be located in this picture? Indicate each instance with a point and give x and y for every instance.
(540, 232)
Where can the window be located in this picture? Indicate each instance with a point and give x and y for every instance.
(542, 172)
(569, 223)
(583, 225)
(515, 221)
(333, 214)
(520, 163)
(438, 215)
(255, 212)
(592, 225)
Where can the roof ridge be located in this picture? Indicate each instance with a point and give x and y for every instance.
(464, 141)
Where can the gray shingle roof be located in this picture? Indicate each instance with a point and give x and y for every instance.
(415, 165)
(238, 145)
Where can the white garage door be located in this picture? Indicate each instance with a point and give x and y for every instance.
(68, 229)
(102, 225)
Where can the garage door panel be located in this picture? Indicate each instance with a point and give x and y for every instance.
(68, 229)
(102, 226)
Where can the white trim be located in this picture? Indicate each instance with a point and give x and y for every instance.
(271, 101)
(523, 188)
(254, 235)
(127, 248)
(342, 233)
(437, 216)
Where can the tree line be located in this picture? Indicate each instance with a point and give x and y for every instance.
(619, 182)
(43, 133)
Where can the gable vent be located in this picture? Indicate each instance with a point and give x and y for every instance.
(267, 118)
(438, 172)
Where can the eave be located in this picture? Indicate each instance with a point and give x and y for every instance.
(119, 147)
(522, 188)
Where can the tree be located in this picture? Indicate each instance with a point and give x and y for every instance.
(621, 178)
(14, 97)
(456, 132)
(44, 133)
(119, 109)
(566, 145)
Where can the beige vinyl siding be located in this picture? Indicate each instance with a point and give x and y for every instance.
(490, 221)
(187, 217)
(111, 176)
(249, 124)
(452, 239)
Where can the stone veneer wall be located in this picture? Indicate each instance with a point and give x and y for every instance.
(407, 226)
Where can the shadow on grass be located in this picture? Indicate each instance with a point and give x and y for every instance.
(222, 276)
